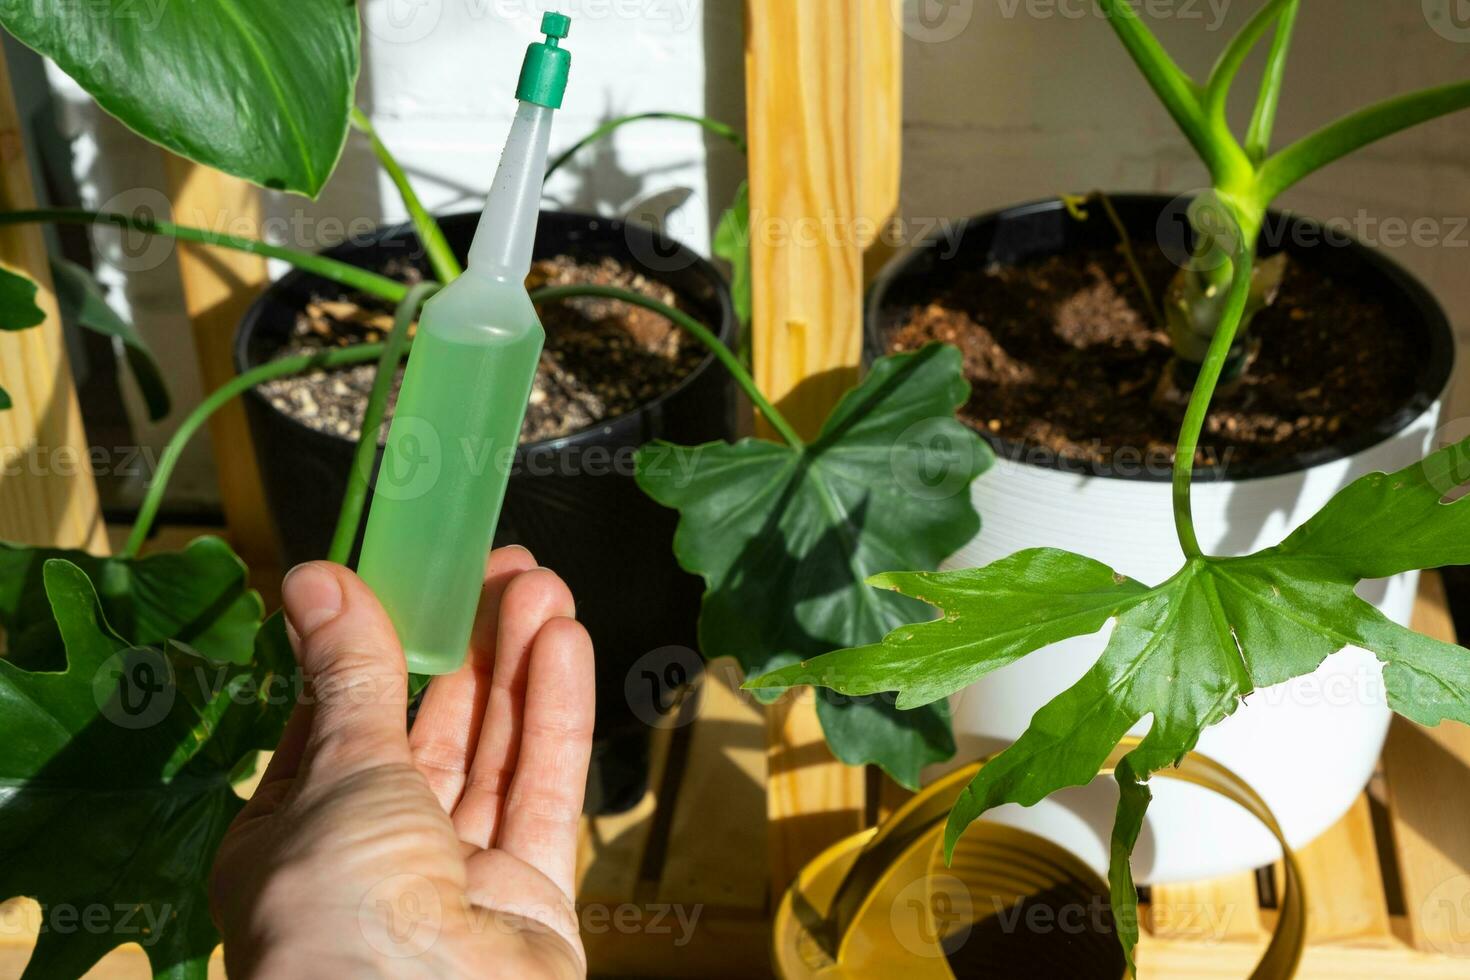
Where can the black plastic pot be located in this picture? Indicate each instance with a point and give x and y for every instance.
(1041, 228)
(572, 501)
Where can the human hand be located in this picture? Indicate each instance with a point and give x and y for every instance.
(450, 850)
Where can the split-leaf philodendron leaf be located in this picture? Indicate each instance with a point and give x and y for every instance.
(785, 538)
(115, 786)
(197, 597)
(18, 311)
(260, 89)
(1183, 653)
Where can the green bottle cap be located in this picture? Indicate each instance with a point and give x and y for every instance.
(544, 74)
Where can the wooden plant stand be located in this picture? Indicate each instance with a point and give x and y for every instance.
(1388, 887)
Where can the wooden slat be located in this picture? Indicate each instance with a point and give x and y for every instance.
(1428, 776)
(716, 853)
(880, 159)
(1344, 882)
(803, 94)
(219, 285)
(1177, 959)
(1224, 910)
(716, 946)
(611, 848)
(803, 88)
(47, 492)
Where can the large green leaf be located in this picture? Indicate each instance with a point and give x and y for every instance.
(261, 89)
(18, 309)
(115, 783)
(785, 537)
(197, 597)
(1184, 653)
(82, 301)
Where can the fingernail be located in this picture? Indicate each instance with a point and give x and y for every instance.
(312, 598)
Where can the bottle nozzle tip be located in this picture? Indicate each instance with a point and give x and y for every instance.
(555, 24)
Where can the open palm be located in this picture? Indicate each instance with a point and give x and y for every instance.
(448, 850)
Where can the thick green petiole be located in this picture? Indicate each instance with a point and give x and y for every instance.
(702, 333)
(319, 265)
(350, 513)
(281, 368)
(1204, 391)
(441, 257)
(723, 131)
(349, 516)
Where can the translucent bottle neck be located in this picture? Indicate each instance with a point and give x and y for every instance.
(507, 231)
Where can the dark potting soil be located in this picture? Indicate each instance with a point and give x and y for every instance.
(603, 358)
(1063, 358)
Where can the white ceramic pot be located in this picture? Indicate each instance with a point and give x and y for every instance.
(1308, 746)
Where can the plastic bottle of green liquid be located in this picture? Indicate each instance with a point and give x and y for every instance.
(459, 413)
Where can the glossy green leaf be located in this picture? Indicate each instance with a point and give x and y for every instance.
(1183, 654)
(18, 309)
(732, 243)
(784, 538)
(197, 597)
(259, 89)
(117, 786)
(82, 302)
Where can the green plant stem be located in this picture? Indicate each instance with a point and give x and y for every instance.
(1217, 89)
(1263, 118)
(441, 257)
(1126, 243)
(361, 353)
(270, 371)
(1355, 131)
(1179, 93)
(719, 129)
(349, 515)
(1204, 391)
(702, 333)
(319, 265)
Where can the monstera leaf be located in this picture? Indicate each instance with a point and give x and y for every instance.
(116, 782)
(18, 311)
(784, 537)
(1185, 652)
(261, 90)
(197, 597)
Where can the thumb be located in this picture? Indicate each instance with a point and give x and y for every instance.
(354, 668)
